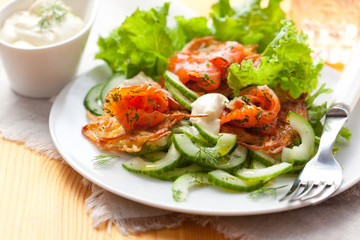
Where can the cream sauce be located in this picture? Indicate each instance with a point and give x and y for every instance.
(31, 28)
(211, 104)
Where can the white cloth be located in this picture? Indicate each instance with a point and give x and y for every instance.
(26, 120)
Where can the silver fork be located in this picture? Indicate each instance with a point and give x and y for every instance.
(322, 175)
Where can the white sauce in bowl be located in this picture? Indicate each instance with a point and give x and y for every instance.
(45, 22)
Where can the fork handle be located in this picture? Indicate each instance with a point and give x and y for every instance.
(335, 118)
(347, 91)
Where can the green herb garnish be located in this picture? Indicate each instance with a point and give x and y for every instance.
(50, 13)
(209, 156)
(262, 192)
(103, 160)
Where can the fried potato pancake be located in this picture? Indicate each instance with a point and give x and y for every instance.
(108, 134)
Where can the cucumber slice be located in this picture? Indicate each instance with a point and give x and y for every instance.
(204, 154)
(263, 173)
(172, 175)
(115, 81)
(180, 188)
(193, 152)
(169, 162)
(229, 161)
(206, 134)
(263, 157)
(182, 123)
(296, 169)
(225, 143)
(222, 179)
(155, 156)
(92, 100)
(160, 144)
(185, 102)
(194, 135)
(150, 147)
(299, 155)
(233, 160)
(174, 80)
(256, 164)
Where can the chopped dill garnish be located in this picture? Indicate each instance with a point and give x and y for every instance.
(208, 155)
(51, 12)
(103, 160)
(262, 192)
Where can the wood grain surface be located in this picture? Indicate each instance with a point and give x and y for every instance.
(42, 199)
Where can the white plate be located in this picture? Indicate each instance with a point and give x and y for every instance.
(68, 116)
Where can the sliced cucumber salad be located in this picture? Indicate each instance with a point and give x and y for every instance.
(193, 160)
(196, 156)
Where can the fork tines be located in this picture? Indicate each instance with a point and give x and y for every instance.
(310, 191)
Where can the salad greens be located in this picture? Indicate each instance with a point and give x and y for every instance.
(317, 112)
(249, 24)
(103, 160)
(125, 50)
(262, 192)
(285, 61)
(186, 30)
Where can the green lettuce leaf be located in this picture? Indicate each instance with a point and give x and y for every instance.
(345, 133)
(322, 90)
(249, 24)
(317, 112)
(186, 30)
(222, 9)
(141, 43)
(286, 61)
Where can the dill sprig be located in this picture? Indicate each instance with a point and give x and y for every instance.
(262, 192)
(103, 160)
(209, 156)
(51, 12)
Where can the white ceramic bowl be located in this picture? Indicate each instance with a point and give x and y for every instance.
(42, 72)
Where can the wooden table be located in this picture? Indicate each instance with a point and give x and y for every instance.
(42, 198)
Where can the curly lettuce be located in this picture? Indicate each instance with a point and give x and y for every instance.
(286, 61)
(141, 43)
